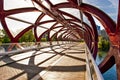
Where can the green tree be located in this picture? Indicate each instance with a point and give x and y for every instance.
(27, 37)
(103, 44)
(5, 38)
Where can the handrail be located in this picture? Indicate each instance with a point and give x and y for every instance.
(92, 68)
(27, 49)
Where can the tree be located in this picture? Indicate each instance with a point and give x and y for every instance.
(5, 38)
(27, 37)
(103, 44)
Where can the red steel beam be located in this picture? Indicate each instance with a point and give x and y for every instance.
(107, 22)
(94, 30)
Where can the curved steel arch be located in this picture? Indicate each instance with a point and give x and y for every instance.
(110, 26)
(5, 13)
(107, 22)
(95, 48)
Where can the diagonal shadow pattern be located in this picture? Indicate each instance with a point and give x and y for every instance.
(31, 69)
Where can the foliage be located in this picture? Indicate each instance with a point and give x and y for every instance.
(1, 40)
(27, 37)
(5, 38)
(103, 44)
(102, 54)
(43, 39)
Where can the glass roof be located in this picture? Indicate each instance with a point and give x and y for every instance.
(74, 12)
(48, 25)
(13, 4)
(40, 31)
(45, 18)
(52, 33)
(58, 1)
(60, 33)
(24, 19)
(30, 17)
(17, 27)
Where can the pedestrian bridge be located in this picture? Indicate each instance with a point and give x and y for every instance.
(64, 24)
(64, 61)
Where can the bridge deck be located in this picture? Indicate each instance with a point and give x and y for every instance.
(46, 64)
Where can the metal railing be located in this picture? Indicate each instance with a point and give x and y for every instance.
(93, 73)
(26, 47)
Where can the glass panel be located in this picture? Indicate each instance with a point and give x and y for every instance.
(48, 25)
(37, 6)
(29, 16)
(45, 18)
(58, 1)
(60, 33)
(15, 27)
(57, 29)
(59, 24)
(12, 4)
(77, 23)
(1, 27)
(65, 34)
(46, 4)
(67, 17)
(40, 31)
(74, 12)
(52, 33)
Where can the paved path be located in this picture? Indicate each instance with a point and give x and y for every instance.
(64, 63)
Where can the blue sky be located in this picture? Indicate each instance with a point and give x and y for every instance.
(108, 6)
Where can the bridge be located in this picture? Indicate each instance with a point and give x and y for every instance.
(64, 61)
(72, 45)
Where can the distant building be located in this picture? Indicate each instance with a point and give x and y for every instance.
(98, 30)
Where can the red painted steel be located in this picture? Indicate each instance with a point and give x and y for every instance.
(73, 30)
(94, 30)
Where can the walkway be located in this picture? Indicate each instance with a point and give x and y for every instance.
(61, 64)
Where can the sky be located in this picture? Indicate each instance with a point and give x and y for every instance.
(108, 6)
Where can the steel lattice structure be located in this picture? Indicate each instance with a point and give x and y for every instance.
(65, 26)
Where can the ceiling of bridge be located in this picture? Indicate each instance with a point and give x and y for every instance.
(67, 19)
